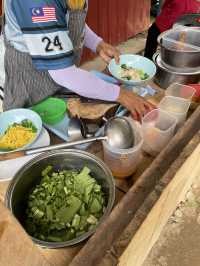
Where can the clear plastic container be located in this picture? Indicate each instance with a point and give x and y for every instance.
(177, 107)
(180, 91)
(158, 128)
(124, 162)
(181, 39)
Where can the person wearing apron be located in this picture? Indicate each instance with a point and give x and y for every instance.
(44, 41)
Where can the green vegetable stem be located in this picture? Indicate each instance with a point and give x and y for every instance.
(64, 205)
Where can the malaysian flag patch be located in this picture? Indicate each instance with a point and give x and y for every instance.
(43, 14)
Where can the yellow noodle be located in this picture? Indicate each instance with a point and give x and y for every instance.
(16, 137)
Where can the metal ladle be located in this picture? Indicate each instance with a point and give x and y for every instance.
(78, 130)
(118, 133)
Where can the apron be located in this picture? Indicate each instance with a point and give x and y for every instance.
(24, 85)
(76, 25)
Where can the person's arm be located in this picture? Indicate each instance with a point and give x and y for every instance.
(91, 39)
(85, 83)
(97, 45)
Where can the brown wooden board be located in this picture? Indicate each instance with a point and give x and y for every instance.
(16, 249)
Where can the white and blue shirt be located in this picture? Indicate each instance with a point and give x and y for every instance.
(39, 27)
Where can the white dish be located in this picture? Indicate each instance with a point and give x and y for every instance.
(10, 167)
(17, 116)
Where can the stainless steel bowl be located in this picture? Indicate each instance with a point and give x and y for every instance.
(30, 174)
(173, 57)
(165, 77)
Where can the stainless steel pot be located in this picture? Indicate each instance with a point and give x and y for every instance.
(30, 174)
(171, 56)
(165, 77)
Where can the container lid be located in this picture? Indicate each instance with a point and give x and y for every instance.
(181, 39)
(51, 109)
(180, 91)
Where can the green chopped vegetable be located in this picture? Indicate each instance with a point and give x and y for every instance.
(127, 77)
(141, 73)
(29, 124)
(124, 66)
(64, 205)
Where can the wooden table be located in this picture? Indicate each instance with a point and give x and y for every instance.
(62, 257)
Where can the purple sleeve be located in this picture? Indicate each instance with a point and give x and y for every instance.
(85, 83)
(91, 39)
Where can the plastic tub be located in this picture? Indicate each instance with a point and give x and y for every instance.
(124, 162)
(51, 110)
(158, 128)
(177, 107)
(180, 91)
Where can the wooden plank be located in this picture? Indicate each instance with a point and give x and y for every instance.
(16, 248)
(61, 257)
(150, 230)
(3, 188)
(124, 212)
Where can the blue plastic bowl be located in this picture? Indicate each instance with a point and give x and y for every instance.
(16, 116)
(135, 61)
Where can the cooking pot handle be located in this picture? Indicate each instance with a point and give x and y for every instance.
(155, 56)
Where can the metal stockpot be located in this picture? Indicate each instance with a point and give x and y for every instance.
(172, 56)
(165, 77)
(30, 174)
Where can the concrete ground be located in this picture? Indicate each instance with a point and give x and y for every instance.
(179, 242)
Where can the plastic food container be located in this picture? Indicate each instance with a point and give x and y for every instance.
(180, 91)
(176, 107)
(51, 110)
(158, 128)
(124, 162)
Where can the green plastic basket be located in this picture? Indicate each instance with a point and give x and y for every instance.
(51, 110)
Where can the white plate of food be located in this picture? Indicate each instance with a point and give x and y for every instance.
(133, 70)
(19, 129)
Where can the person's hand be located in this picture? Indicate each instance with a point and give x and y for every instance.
(135, 104)
(107, 52)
